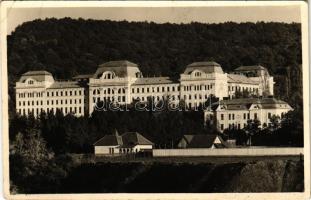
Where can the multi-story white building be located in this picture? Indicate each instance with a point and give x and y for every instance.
(123, 82)
(235, 113)
(37, 91)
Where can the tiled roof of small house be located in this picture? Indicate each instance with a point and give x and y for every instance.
(206, 67)
(109, 140)
(127, 139)
(200, 141)
(134, 138)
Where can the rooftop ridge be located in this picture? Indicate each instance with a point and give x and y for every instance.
(118, 63)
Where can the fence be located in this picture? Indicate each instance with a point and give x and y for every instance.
(229, 152)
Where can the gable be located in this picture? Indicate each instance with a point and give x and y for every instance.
(217, 140)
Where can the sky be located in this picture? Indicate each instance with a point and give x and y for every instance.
(287, 14)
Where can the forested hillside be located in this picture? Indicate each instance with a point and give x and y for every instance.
(67, 47)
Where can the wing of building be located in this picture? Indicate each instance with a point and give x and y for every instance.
(235, 113)
(122, 82)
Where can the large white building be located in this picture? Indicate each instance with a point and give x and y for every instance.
(235, 113)
(123, 82)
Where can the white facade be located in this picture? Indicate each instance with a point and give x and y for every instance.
(37, 91)
(122, 82)
(235, 113)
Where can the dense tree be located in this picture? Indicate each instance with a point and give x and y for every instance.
(32, 165)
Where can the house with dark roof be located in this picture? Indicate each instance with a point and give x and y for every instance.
(202, 141)
(127, 143)
(234, 113)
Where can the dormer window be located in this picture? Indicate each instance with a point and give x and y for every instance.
(197, 74)
(30, 82)
(138, 75)
(108, 75)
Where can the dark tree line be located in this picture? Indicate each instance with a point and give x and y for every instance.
(286, 131)
(70, 134)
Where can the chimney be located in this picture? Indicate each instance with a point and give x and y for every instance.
(116, 133)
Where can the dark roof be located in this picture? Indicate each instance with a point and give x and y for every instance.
(36, 75)
(118, 63)
(134, 138)
(64, 84)
(128, 139)
(121, 68)
(237, 78)
(154, 80)
(246, 103)
(109, 140)
(206, 67)
(250, 68)
(200, 141)
(39, 72)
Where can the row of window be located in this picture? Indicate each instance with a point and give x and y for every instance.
(65, 93)
(109, 99)
(37, 111)
(231, 116)
(239, 88)
(157, 98)
(155, 89)
(109, 91)
(176, 97)
(30, 94)
(232, 126)
(195, 96)
(198, 87)
(128, 150)
(30, 103)
(50, 102)
(65, 101)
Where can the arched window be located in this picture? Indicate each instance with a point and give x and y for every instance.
(197, 74)
(96, 91)
(108, 75)
(138, 75)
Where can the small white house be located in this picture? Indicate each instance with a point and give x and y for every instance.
(127, 143)
(202, 141)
